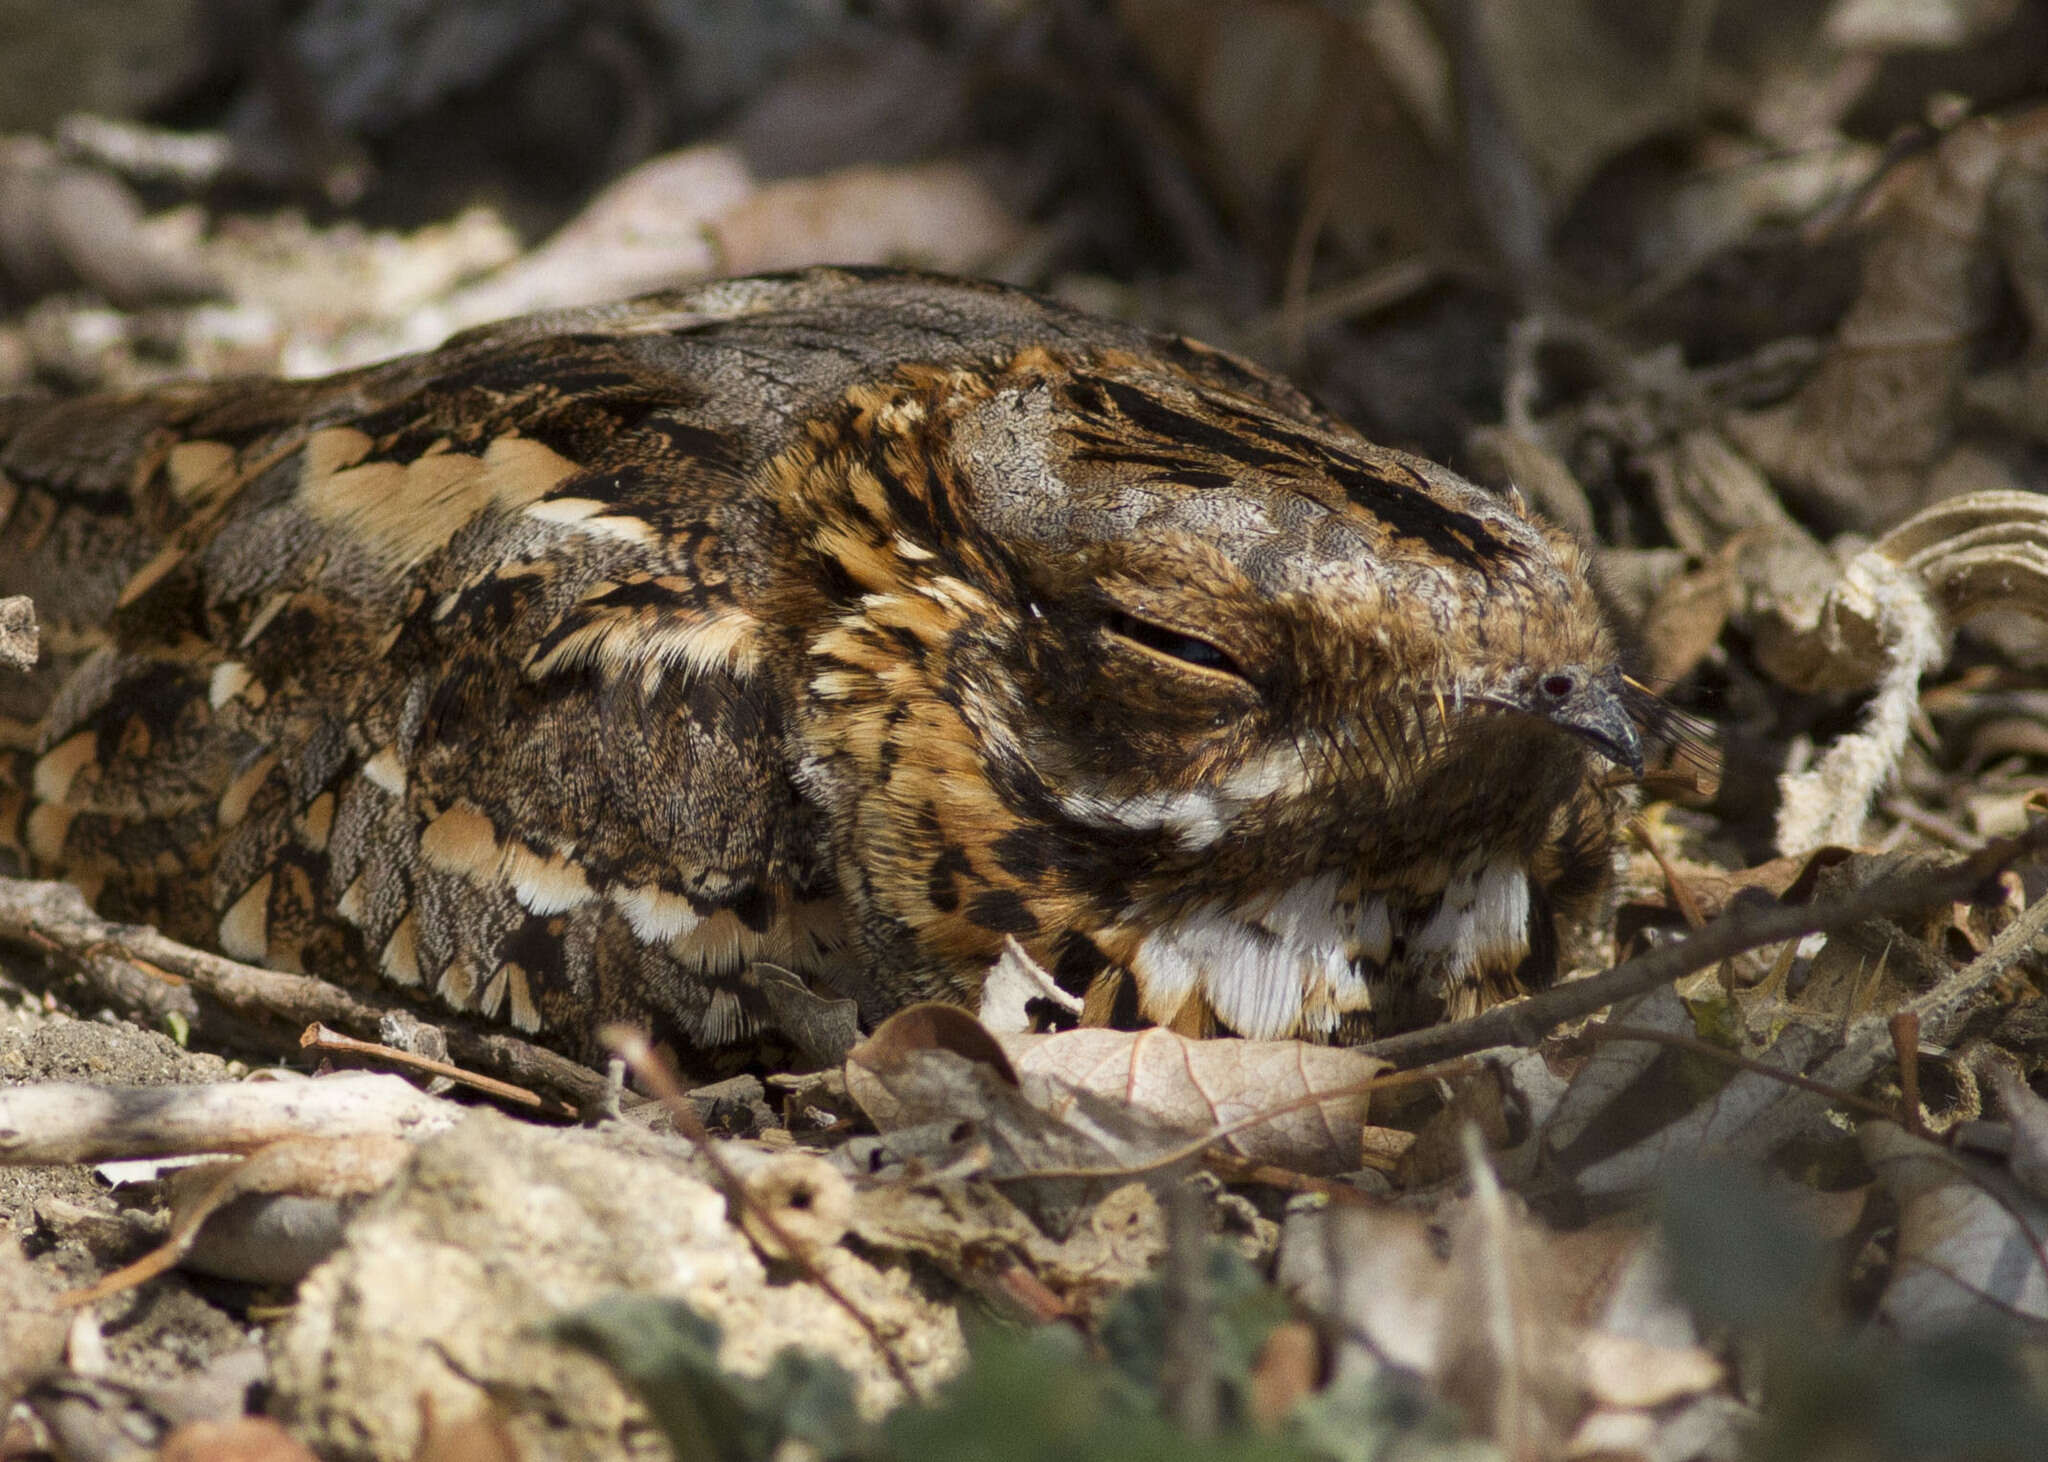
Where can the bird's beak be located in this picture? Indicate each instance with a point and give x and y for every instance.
(1592, 706)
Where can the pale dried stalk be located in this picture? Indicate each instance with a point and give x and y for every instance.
(56, 1122)
(1828, 802)
(1886, 622)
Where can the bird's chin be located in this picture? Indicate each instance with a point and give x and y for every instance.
(1298, 962)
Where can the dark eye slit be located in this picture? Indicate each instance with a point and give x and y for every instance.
(1171, 642)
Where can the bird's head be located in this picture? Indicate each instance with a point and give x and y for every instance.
(1232, 717)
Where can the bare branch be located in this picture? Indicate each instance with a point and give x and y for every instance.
(1744, 927)
(137, 970)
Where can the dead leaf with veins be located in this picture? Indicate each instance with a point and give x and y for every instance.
(1067, 1117)
(935, 1083)
(1638, 1105)
(1973, 1242)
(1259, 1098)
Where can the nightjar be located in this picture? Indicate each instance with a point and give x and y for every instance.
(848, 620)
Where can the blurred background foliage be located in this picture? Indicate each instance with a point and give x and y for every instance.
(1366, 192)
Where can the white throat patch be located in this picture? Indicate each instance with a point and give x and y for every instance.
(1296, 963)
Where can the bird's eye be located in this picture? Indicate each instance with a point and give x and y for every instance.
(1172, 642)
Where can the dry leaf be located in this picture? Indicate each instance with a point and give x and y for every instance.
(1688, 615)
(1626, 1116)
(647, 230)
(1065, 1118)
(1378, 1273)
(1970, 1247)
(62, 225)
(1886, 621)
(1964, 556)
(1503, 1353)
(822, 1029)
(968, 1229)
(2028, 1116)
(1519, 456)
(924, 1027)
(691, 214)
(1574, 90)
(940, 1090)
(1217, 1086)
(1714, 889)
(1622, 1371)
(1861, 437)
(1014, 983)
(1476, 1099)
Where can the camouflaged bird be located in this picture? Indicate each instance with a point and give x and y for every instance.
(847, 620)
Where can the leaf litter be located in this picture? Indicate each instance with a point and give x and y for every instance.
(1737, 295)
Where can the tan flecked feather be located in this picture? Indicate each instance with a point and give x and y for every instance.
(846, 620)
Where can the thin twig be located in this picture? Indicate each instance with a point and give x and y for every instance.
(1187, 1368)
(1029, 1293)
(1681, 892)
(659, 1078)
(1745, 927)
(1941, 829)
(1368, 294)
(1698, 1047)
(1942, 1009)
(318, 1037)
(1234, 1169)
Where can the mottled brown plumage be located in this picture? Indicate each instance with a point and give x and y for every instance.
(846, 620)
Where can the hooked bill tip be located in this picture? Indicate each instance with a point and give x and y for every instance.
(1594, 708)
